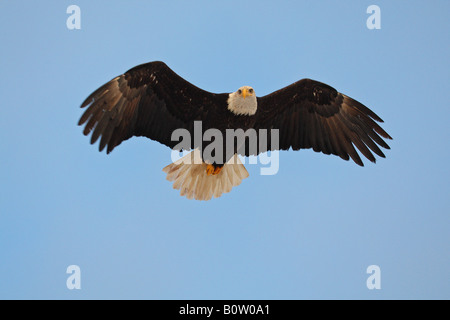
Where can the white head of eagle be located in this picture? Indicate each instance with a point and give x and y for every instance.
(243, 101)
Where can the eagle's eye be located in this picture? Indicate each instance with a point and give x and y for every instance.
(239, 91)
(250, 90)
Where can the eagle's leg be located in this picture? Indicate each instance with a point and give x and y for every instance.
(213, 169)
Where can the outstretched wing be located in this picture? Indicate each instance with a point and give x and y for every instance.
(310, 114)
(148, 100)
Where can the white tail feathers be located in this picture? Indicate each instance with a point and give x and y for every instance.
(190, 177)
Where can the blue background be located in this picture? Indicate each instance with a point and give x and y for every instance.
(308, 232)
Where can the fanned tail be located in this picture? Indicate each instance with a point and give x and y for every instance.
(190, 177)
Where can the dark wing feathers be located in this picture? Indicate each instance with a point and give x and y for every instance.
(151, 100)
(311, 114)
(148, 100)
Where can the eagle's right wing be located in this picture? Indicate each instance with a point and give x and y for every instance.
(148, 100)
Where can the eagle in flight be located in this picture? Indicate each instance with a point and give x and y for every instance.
(153, 101)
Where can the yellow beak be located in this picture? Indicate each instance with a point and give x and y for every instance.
(245, 93)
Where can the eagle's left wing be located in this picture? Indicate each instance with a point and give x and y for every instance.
(311, 114)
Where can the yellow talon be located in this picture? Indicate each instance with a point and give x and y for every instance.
(217, 170)
(213, 170)
(209, 169)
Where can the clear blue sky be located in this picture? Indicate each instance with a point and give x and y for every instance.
(308, 232)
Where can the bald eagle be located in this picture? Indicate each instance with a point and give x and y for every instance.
(151, 100)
